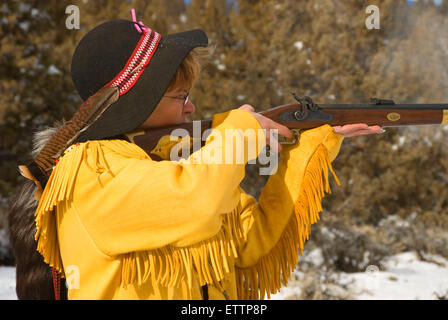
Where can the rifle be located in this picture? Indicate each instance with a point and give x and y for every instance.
(306, 115)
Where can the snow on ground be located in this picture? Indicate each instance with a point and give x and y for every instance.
(405, 278)
(400, 277)
(8, 283)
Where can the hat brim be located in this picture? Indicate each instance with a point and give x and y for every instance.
(134, 107)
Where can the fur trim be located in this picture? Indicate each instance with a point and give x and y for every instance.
(33, 275)
(41, 138)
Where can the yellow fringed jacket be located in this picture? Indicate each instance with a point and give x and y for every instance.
(119, 225)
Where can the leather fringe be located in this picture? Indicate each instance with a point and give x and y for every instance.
(59, 188)
(274, 269)
(209, 259)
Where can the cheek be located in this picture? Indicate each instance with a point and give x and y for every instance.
(173, 110)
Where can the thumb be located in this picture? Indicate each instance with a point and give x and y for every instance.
(247, 107)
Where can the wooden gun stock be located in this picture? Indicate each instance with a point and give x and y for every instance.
(306, 115)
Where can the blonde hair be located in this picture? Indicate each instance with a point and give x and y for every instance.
(189, 70)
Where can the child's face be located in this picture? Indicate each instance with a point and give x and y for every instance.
(171, 109)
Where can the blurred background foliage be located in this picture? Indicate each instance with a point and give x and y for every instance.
(394, 188)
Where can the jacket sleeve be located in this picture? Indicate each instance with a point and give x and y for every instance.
(277, 226)
(140, 204)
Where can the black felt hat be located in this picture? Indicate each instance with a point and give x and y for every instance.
(142, 64)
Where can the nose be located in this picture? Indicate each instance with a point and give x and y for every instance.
(189, 107)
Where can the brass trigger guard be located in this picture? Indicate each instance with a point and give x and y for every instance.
(293, 140)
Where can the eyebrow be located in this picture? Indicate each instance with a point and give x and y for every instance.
(183, 92)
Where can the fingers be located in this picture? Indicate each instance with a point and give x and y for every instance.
(356, 126)
(270, 126)
(273, 129)
(352, 130)
(272, 142)
(348, 128)
(282, 130)
(362, 133)
(376, 128)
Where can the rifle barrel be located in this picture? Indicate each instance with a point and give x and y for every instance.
(391, 115)
(295, 116)
(404, 106)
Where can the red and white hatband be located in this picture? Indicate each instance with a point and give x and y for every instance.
(136, 64)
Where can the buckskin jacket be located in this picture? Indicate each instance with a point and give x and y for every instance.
(119, 225)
